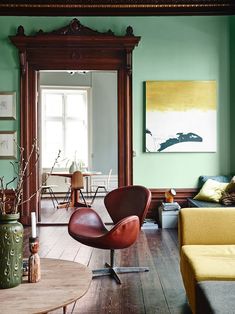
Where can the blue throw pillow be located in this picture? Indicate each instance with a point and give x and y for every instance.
(224, 179)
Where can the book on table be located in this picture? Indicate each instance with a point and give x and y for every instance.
(170, 206)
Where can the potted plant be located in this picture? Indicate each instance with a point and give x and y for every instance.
(11, 230)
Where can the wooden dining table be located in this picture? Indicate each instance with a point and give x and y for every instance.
(75, 200)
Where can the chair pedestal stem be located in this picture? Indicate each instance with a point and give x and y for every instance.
(112, 258)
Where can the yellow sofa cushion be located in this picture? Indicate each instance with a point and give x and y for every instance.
(211, 262)
(202, 226)
(211, 191)
(206, 262)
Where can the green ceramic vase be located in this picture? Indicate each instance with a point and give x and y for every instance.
(11, 251)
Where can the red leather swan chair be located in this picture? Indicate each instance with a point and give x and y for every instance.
(127, 206)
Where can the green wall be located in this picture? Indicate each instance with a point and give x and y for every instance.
(171, 48)
(232, 89)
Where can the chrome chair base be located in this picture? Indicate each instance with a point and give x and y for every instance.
(114, 271)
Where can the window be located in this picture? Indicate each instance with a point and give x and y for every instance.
(64, 125)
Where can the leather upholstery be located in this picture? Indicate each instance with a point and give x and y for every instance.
(127, 201)
(127, 207)
(86, 227)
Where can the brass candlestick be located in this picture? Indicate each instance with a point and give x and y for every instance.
(34, 273)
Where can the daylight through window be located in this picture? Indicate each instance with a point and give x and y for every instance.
(64, 126)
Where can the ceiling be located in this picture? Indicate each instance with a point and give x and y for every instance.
(116, 7)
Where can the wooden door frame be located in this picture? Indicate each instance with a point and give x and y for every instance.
(74, 47)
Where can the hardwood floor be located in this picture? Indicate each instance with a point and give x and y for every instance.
(158, 291)
(49, 214)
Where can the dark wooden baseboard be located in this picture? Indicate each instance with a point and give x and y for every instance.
(158, 196)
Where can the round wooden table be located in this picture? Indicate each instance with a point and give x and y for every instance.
(62, 282)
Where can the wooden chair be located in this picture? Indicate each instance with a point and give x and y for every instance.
(127, 206)
(76, 185)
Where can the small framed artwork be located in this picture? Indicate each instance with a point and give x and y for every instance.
(7, 105)
(8, 147)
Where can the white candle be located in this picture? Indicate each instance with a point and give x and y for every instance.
(33, 224)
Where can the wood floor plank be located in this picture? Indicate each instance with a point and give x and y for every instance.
(92, 301)
(154, 297)
(159, 291)
(165, 256)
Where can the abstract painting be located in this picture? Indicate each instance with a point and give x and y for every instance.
(180, 116)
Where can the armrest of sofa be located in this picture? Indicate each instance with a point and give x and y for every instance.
(206, 226)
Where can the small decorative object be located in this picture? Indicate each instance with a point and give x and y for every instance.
(169, 206)
(34, 269)
(11, 250)
(33, 224)
(169, 195)
(73, 167)
(75, 164)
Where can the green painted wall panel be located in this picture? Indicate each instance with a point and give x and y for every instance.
(182, 48)
(171, 48)
(232, 91)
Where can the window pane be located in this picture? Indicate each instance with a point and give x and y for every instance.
(53, 105)
(76, 106)
(53, 142)
(76, 141)
(65, 126)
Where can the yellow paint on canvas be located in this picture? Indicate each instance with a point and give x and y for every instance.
(180, 95)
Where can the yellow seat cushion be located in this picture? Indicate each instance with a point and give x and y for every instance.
(209, 262)
(206, 262)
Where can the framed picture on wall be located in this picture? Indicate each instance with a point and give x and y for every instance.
(180, 116)
(7, 105)
(8, 147)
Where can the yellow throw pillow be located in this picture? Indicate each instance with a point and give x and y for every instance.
(211, 191)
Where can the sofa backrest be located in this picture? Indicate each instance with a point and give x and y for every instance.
(222, 178)
(206, 226)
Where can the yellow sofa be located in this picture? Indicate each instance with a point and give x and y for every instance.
(207, 247)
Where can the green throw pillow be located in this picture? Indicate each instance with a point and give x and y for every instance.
(211, 191)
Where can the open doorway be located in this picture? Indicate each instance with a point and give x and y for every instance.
(78, 47)
(78, 112)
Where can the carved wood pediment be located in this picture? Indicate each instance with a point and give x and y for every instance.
(76, 28)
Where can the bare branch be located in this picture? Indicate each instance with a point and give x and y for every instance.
(22, 169)
(44, 181)
(10, 182)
